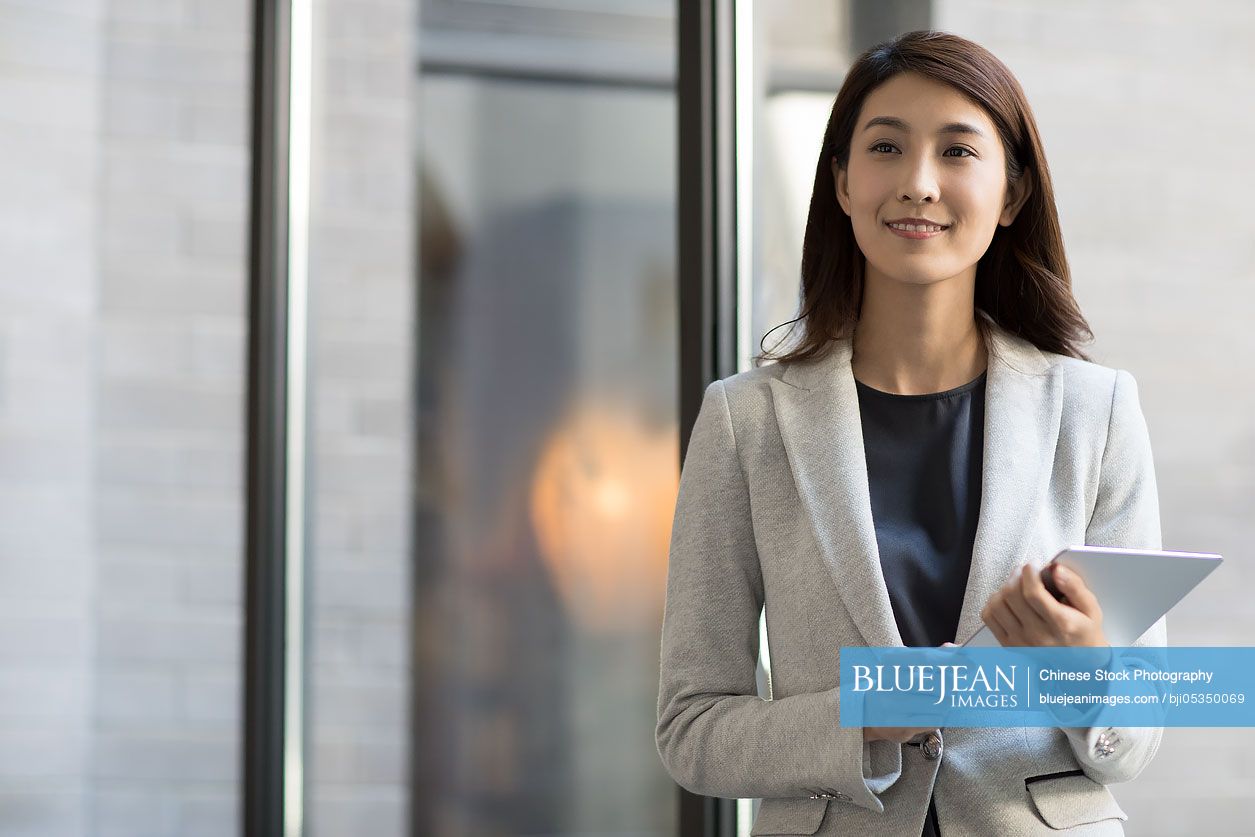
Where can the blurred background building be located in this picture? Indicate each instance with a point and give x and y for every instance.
(494, 384)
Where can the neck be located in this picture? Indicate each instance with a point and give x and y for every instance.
(916, 339)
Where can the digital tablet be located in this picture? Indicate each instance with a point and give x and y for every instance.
(1134, 587)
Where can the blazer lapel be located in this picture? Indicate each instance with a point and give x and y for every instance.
(817, 413)
(818, 416)
(1023, 404)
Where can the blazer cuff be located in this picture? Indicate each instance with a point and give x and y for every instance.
(873, 766)
(1113, 754)
(882, 766)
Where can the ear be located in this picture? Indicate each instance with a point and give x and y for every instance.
(1017, 194)
(841, 183)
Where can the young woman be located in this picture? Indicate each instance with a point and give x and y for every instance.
(898, 477)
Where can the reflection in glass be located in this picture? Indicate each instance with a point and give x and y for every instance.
(548, 456)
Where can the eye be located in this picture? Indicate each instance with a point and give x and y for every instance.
(967, 152)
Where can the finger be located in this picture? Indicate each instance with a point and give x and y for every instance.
(893, 734)
(1046, 612)
(1043, 603)
(1006, 620)
(905, 734)
(1000, 615)
(999, 634)
(1078, 594)
(1034, 629)
(999, 610)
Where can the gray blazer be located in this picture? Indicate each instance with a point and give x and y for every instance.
(774, 511)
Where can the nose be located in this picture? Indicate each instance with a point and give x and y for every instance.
(920, 184)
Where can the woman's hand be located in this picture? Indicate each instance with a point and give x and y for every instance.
(900, 735)
(1024, 612)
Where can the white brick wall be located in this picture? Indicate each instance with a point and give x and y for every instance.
(1141, 108)
(48, 144)
(169, 385)
(123, 223)
(363, 312)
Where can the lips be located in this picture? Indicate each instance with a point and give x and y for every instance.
(917, 222)
(917, 234)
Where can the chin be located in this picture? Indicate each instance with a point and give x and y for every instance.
(917, 277)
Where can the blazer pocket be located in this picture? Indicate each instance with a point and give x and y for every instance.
(789, 815)
(1070, 798)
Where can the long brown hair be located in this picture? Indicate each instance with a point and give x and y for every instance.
(1022, 281)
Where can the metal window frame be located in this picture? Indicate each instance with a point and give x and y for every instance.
(715, 223)
(273, 726)
(707, 288)
(706, 220)
(262, 770)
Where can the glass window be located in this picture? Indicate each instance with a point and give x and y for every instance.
(494, 442)
(551, 455)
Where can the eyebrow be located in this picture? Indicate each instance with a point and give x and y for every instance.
(901, 125)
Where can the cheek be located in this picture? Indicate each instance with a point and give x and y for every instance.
(868, 199)
(866, 188)
(979, 201)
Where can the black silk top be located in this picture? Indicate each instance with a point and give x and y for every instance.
(924, 456)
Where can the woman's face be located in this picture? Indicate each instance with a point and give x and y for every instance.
(923, 166)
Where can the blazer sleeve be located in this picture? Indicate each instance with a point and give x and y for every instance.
(715, 735)
(1126, 513)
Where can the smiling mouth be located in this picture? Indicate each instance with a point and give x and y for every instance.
(916, 231)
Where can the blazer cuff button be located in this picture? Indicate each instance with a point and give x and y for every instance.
(1106, 743)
